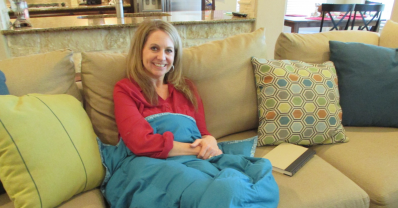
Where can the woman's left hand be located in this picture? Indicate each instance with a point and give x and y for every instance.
(209, 147)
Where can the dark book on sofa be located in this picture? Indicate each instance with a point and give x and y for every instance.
(288, 158)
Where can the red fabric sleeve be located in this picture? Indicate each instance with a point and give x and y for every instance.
(135, 131)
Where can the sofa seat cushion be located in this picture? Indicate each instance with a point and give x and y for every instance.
(315, 185)
(370, 159)
(92, 199)
(314, 48)
(5, 201)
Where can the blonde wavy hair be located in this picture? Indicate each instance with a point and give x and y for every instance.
(137, 72)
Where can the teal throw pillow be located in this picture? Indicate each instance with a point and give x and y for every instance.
(368, 83)
(3, 86)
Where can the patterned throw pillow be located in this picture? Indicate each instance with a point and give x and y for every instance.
(297, 103)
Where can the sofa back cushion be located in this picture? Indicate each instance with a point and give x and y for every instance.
(46, 73)
(223, 74)
(388, 36)
(100, 72)
(314, 48)
(221, 70)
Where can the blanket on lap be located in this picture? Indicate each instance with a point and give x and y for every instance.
(227, 180)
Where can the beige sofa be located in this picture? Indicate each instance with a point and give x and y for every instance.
(369, 158)
(360, 173)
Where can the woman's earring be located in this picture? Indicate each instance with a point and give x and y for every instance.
(172, 66)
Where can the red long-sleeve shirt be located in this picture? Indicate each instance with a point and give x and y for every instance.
(131, 108)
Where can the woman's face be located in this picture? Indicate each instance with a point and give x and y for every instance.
(158, 54)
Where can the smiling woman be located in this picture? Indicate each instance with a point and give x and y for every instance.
(154, 85)
(164, 141)
(152, 40)
(158, 57)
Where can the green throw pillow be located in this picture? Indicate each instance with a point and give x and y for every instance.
(297, 103)
(368, 83)
(3, 91)
(48, 149)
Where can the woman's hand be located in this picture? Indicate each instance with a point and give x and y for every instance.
(208, 145)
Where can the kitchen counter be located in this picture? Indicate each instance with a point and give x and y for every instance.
(105, 32)
(75, 7)
(109, 21)
(68, 9)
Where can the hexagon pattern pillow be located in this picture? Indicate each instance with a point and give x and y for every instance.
(297, 103)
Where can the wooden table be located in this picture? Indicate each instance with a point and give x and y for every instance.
(296, 22)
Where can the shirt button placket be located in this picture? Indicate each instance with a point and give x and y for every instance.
(167, 107)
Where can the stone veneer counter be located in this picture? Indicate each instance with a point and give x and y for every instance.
(110, 34)
(109, 21)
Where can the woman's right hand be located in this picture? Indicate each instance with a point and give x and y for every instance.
(208, 147)
(203, 148)
(180, 148)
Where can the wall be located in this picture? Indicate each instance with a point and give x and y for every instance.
(394, 14)
(270, 15)
(226, 5)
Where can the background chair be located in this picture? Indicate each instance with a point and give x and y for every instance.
(373, 10)
(328, 8)
(372, 2)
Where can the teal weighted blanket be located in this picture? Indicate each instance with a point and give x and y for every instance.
(233, 179)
